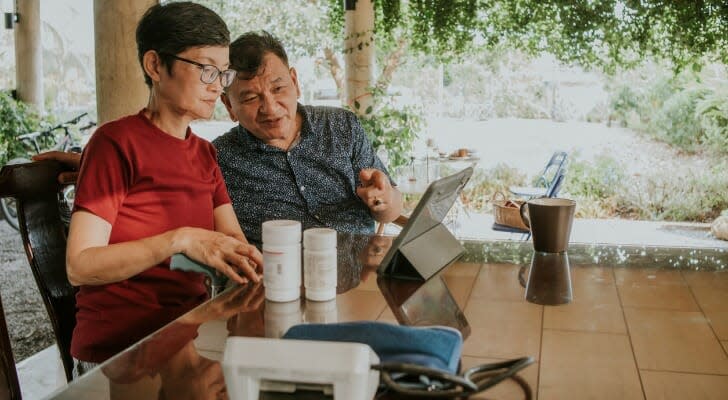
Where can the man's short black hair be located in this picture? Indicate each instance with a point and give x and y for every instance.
(248, 50)
(172, 28)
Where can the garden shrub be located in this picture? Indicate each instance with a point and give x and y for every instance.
(713, 114)
(16, 118)
(677, 123)
(600, 179)
(485, 183)
(678, 195)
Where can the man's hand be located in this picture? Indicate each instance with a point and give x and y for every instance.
(384, 201)
(69, 159)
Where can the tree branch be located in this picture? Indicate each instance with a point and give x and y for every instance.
(391, 64)
(335, 69)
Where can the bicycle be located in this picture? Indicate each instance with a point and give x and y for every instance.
(33, 140)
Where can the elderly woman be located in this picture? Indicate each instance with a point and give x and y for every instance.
(149, 188)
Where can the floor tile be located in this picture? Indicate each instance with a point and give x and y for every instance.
(503, 329)
(715, 279)
(40, 374)
(593, 285)
(368, 282)
(460, 288)
(647, 276)
(508, 389)
(499, 282)
(719, 321)
(662, 297)
(606, 318)
(462, 269)
(711, 298)
(678, 386)
(675, 341)
(580, 365)
(359, 305)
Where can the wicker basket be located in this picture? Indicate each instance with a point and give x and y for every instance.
(507, 212)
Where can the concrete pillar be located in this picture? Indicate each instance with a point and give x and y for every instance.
(29, 53)
(359, 54)
(120, 88)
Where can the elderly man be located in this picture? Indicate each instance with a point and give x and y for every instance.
(290, 161)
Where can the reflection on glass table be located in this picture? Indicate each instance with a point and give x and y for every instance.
(549, 279)
(604, 340)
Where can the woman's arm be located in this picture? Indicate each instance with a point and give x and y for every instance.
(90, 260)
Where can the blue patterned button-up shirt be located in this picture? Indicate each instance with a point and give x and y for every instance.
(314, 182)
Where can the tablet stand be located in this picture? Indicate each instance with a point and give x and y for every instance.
(425, 255)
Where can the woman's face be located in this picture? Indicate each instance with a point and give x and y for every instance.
(184, 91)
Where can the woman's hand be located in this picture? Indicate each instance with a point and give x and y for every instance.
(225, 253)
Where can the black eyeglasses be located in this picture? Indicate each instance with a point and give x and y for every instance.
(209, 71)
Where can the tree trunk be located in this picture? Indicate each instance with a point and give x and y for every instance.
(359, 54)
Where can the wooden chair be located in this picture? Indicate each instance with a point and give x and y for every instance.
(35, 186)
(9, 386)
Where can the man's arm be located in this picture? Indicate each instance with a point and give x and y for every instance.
(70, 159)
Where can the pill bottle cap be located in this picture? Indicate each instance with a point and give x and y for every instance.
(319, 239)
(281, 232)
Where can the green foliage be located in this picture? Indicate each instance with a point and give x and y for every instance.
(624, 104)
(713, 113)
(485, 183)
(599, 179)
(607, 33)
(391, 128)
(686, 110)
(298, 24)
(677, 122)
(602, 190)
(677, 195)
(16, 118)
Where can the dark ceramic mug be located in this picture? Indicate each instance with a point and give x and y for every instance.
(549, 220)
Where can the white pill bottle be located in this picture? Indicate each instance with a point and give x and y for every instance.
(319, 264)
(282, 260)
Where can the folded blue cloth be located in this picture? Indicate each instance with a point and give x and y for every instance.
(436, 347)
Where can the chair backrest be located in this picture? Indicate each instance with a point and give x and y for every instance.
(9, 386)
(553, 190)
(552, 170)
(36, 189)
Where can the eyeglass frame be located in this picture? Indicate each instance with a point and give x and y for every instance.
(202, 67)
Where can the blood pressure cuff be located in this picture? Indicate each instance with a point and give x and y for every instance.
(437, 347)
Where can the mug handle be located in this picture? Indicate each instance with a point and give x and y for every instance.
(526, 220)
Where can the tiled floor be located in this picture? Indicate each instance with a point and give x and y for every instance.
(628, 334)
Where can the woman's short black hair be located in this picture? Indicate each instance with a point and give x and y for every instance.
(172, 28)
(248, 50)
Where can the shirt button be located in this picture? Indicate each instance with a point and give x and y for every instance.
(288, 154)
(303, 188)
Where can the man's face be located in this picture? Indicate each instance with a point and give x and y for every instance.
(266, 104)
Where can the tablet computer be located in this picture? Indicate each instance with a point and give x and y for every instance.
(425, 245)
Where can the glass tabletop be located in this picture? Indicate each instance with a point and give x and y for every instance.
(602, 321)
